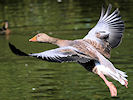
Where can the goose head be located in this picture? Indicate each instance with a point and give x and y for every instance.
(40, 37)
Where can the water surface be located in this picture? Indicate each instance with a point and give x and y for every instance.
(24, 78)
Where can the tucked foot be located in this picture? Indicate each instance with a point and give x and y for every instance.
(112, 89)
(111, 86)
(126, 83)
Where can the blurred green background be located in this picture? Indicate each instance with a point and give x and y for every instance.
(25, 78)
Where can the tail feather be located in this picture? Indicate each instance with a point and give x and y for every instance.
(17, 51)
(122, 73)
(118, 75)
(109, 70)
(123, 76)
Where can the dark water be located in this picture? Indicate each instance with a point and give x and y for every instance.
(23, 78)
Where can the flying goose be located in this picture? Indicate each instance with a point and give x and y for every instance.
(92, 52)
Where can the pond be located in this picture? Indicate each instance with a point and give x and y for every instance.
(27, 78)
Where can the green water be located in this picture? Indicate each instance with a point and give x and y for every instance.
(25, 78)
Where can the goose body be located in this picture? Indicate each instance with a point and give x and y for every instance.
(92, 52)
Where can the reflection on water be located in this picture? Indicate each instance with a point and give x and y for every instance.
(31, 79)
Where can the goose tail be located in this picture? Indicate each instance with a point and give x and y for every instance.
(108, 69)
(122, 77)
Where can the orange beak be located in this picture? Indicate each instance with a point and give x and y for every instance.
(34, 39)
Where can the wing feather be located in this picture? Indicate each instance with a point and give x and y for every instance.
(108, 24)
(63, 54)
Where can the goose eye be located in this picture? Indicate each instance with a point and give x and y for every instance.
(38, 35)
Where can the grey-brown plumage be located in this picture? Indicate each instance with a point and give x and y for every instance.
(91, 52)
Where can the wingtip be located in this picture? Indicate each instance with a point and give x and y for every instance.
(109, 8)
(9, 44)
(103, 6)
(16, 51)
(110, 5)
(103, 14)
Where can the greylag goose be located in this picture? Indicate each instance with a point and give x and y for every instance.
(92, 52)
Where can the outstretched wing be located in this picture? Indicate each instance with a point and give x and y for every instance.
(63, 54)
(109, 28)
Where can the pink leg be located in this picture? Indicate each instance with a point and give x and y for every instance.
(126, 83)
(111, 86)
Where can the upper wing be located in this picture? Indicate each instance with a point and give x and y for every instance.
(63, 54)
(109, 28)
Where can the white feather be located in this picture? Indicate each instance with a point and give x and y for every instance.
(107, 68)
